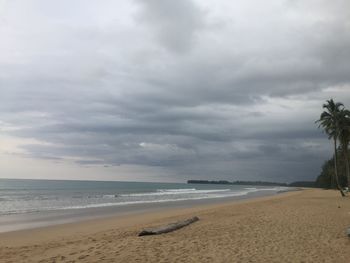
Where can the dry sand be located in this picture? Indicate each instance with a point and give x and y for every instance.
(303, 226)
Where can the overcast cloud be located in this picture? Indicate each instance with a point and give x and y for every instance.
(170, 90)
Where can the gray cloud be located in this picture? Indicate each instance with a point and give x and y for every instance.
(201, 89)
(174, 23)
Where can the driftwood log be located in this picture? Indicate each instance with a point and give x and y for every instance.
(168, 228)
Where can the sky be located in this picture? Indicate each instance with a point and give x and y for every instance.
(150, 90)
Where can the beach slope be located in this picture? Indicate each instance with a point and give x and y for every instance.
(301, 226)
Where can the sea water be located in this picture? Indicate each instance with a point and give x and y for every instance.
(28, 196)
(31, 203)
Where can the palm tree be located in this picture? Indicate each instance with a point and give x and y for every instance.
(344, 138)
(330, 121)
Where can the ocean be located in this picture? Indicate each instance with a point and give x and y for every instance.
(32, 203)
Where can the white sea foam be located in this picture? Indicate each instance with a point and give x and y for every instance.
(177, 190)
(240, 193)
(36, 203)
(161, 192)
(220, 194)
(109, 196)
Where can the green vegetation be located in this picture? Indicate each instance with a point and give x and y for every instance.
(259, 183)
(236, 182)
(326, 178)
(335, 121)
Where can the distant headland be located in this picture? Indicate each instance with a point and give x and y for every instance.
(258, 183)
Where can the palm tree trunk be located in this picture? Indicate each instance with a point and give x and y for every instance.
(336, 168)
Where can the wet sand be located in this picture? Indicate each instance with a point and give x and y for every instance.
(301, 226)
(15, 222)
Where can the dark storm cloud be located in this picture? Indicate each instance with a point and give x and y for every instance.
(174, 23)
(173, 84)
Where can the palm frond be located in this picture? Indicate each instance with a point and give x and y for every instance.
(332, 118)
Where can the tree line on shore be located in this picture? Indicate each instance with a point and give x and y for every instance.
(335, 121)
(261, 183)
(256, 183)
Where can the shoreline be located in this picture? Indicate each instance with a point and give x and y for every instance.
(15, 222)
(130, 218)
(297, 226)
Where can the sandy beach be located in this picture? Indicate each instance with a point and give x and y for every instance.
(300, 226)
